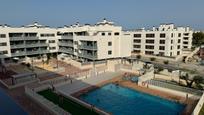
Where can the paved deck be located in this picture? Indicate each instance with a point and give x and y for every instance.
(78, 85)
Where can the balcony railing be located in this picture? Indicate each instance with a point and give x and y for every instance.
(88, 47)
(15, 46)
(24, 38)
(67, 37)
(36, 44)
(37, 52)
(65, 50)
(19, 53)
(70, 44)
(88, 55)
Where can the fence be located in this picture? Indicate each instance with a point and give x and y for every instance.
(175, 87)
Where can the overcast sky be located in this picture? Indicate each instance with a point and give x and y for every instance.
(127, 13)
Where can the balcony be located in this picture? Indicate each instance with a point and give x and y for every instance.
(31, 38)
(88, 47)
(18, 53)
(16, 38)
(66, 50)
(70, 44)
(36, 52)
(67, 37)
(37, 45)
(16, 46)
(88, 55)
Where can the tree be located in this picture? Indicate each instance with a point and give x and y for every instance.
(166, 62)
(152, 59)
(198, 39)
(190, 81)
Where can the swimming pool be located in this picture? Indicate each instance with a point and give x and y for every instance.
(8, 106)
(120, 100)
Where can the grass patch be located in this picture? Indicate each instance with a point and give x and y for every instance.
(202, 111)
(67, 104)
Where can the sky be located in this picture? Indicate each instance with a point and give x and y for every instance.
(131, 14)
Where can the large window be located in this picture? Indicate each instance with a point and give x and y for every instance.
(178, 47)
(162, 41)
(150, 41)
(161, 47)
(3, 44)
(179, 34)
(185, 42)
(149, 47)
(3, 52)
(137, 46)
(2, 35)
(149, 52)
(179, 40)
(51, 41)
(137, 35)
(162, 35)
(149, 35)
(137, 41)
(116, 33)
(47, 35)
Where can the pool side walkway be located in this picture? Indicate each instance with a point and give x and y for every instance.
(78, 85)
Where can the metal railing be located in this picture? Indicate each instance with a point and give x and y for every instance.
(88, 47)
(70, 44)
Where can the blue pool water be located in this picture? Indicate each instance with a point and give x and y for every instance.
(8, 106)
(124, 101)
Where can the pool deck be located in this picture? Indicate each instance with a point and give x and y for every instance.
(78, 85)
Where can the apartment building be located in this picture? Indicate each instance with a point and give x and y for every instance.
(166, 40)
(86, 42)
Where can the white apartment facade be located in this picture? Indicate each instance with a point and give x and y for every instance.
(166, 40)
(101, 41)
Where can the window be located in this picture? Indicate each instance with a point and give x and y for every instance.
(186, 34)
(109, 34)
(185, 38)
(3, 44)
(109, 43)
(185, 42)
(179, 40)
(2, 35)
(137, 35)
(161, 53)
(162, 35)
(149, 52)
(162, 41)
(137, 41)
(109, 52)
(150, 41)
(150, 35)
(178, 47)
(52, 48)
(179, 34)
(47, 35)
(161, 47)
(172, 35)
(116, 33)
(3, 52)
(137, 46)
(136, 51)
(149, 47)
(185, 46)
(103, 34)
(51, 41)
(76, 42)
(178, 52)
(171, 41)
(171, 47)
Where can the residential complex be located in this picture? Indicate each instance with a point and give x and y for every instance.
(166, 40)
(103, 40)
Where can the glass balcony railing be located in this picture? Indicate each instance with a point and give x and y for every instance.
(65, 50)
(88, 55)
(37, 52)
(24, 38)
(88, 47)
(36, 44)
(70, 44)
(15, 46)
(18, 53)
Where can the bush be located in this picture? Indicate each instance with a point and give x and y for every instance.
(166, 62)
(152, 59)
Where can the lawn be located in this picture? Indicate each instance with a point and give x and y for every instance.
(67, 104)
(202, 111)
